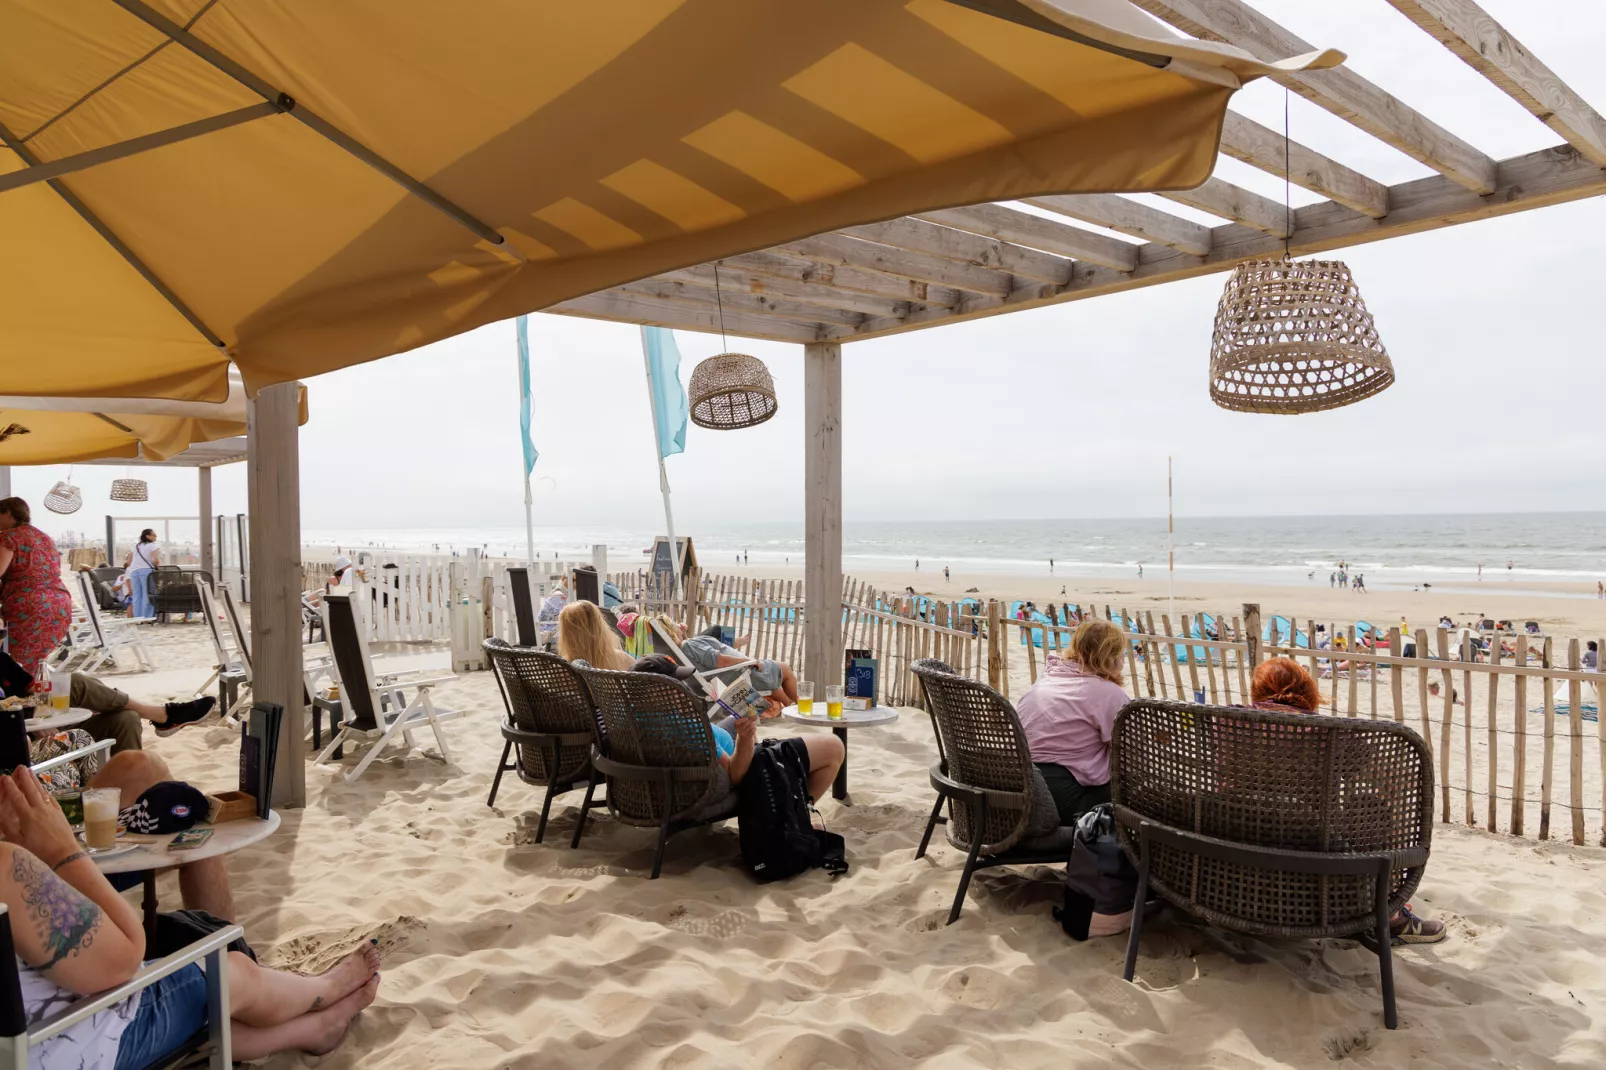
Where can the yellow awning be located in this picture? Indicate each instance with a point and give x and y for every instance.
(305, 185)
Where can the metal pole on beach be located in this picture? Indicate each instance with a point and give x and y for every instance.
(663, 473)
(1170, 543)
(521, 329)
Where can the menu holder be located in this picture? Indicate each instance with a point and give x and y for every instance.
(259, 753)
(860, 675)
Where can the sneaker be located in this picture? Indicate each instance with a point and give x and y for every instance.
(183, 714)
(1407, 928)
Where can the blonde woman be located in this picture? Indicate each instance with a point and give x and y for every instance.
(584, 635)
(1069, 715)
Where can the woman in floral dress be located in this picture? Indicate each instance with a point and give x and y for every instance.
(33, 601)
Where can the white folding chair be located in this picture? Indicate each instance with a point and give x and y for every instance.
(712, 680)
(233, 669)
(104, 639)
(375, 706)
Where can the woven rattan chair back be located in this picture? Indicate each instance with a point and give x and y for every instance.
(652, 721)
(1278, 780)
(543, 694)
(173, 591)
(932, 665)
(984, 746)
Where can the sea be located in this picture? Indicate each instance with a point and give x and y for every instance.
(1523, 551)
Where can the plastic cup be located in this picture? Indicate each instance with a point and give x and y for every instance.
(805, 698)
(60, 690)
(100, 818)
(833, 701)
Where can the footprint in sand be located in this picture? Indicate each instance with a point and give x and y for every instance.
(317, 952)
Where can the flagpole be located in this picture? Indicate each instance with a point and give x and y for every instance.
(521, 331)
(529, 527)
(1170, 542)
(663, 472)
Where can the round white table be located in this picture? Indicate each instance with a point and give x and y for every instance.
(151, 858)
(875, 715)
(56, 720)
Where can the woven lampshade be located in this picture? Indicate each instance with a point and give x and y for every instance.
(129, 490)
(730, 391)
(1294, 336)
(64, 498)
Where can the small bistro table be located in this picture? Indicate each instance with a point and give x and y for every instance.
(153, 857)
(875, 715)
(56, 720)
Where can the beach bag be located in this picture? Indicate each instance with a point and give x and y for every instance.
(775, 819)
(1100, 884)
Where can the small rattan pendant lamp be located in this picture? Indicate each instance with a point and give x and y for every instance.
(730, 391)
(130, 490)
(1293, 337)
(64, 498)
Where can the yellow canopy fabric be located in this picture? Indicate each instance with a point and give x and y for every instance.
(420, 169)
(64, 430)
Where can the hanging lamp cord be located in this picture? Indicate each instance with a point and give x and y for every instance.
(720, 305)
(1288, 183)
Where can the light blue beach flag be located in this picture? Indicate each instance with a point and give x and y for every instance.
(668, 396)
(530, 454)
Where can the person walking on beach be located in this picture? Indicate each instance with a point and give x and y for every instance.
(1051, 566)
(1360, 583)
(1140, 570)
(1480, 571)
(917, 564)
(1332, 578)
(1600, 589)
(945, 575)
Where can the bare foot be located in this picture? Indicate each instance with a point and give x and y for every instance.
(331, 1024)
(347, 975)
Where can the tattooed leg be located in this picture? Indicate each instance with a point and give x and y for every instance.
(65, 919)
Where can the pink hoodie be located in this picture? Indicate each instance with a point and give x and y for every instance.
(1068, 716)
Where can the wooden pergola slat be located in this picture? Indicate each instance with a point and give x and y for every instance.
(1022, 228)
(1130, 217)
(917, 236)
(1237, 204)
(842, 250)
(1261, 146)
(1488, 48)
(1341, 91)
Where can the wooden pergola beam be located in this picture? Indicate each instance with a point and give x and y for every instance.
(655, 312)
(852, 280)
(732, 301)
(1023, 228)
(1237, 204)
(844, 251)
(1129, 217)
(1261, 146)
(734, 279)
(1341, 91)
(1535, 180)
(946, 243)
(1488, 48)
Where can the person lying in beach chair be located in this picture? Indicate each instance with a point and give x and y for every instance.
(73, 935)
(117, 717)
(711, 656)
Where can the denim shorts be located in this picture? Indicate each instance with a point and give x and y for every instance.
(171, 1011)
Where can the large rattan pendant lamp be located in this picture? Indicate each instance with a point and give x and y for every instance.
(730, 391)
(64, 498)
(1294, 336)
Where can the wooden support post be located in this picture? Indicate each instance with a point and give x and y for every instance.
(822, 512)
(5, 481)
(995, 645)
(1575, 751)
(1519, 740)
(274, 487)
(1546, 777)
(203, 477)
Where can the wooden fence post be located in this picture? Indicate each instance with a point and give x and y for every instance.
(1252, 634)
(995, 645)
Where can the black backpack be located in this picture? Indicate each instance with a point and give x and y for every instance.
(1098, 879)
(774, 819)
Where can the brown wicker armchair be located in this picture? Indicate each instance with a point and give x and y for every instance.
(658, 755)
(549, 719)
(985, 773)
(1271, 823)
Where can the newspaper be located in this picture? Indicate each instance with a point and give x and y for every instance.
(740, 699)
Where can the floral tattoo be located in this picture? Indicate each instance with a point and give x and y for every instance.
(65, 919)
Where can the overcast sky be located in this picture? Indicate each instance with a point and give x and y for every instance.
(1494, 328)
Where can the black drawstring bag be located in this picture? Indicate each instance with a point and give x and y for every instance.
(1098, 879)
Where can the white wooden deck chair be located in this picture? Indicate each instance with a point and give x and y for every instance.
(713, 681)
(106, 638)
(233, 669)
(376, 706)
(315, 660)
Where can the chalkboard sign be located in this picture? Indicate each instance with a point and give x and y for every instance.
(661, 560)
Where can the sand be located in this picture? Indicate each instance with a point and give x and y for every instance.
(500, 952)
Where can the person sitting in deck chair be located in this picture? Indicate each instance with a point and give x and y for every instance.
(117, 717)
(1283, 685)
(707, 651)
(821, 754)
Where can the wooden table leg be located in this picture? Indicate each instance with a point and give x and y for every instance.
(150, 906)
(839, 787)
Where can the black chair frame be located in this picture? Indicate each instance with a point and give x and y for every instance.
(977, 799)
(553, 744)
(1382, 866)
(666, 777)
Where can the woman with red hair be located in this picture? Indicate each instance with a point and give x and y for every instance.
(1282, 685)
